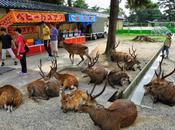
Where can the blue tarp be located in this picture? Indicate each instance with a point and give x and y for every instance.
(81, 18)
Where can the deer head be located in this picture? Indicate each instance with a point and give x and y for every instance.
(91, 98)
(115, 45)
(53, 69)
(133, 61)
(91, 63)
(160, 78)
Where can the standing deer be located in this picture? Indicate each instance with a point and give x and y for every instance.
(78, 49)
(122, 113)
(130, 59)
(161, 89)
(118, 77)
(97, 74)
(45, 87)
(10, 97)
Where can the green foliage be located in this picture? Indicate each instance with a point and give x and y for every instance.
(95, 8)
(169, 9)
(122, 31)
(80, 4)
(143, 16)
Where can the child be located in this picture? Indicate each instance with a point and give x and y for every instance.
(167, 44)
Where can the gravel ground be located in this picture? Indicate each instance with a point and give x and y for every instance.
(46, 115)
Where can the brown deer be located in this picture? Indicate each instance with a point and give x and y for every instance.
(78, 49)
(10, 97)
(130, 59)
(70, 102)
(45, 87)
(97, 74)
(161, 89)
(122, 113)
(69, 81)
(118, 77)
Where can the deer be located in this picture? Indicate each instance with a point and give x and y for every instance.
(45, 87)
(130, 59)
(121, 113)
(68, 81)
(70, 102)
(78, 49)
(118, 77)
(10, 97)
(161, 89)
(97, 74)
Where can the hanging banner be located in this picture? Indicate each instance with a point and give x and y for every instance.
(81, 18)
(30, 17)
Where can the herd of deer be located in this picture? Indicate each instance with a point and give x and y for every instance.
(121, 113)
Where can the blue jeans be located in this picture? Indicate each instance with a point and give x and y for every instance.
(166, 49)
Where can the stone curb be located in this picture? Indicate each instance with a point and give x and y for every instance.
(126, 93)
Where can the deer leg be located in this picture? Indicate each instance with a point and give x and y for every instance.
(70, 58)
(82, 59)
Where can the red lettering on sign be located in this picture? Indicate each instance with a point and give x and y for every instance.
(20, 16)
(29, 17)
(77, 18)
(43, 17)
(49, 17)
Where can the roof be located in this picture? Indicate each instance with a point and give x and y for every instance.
(32, 5)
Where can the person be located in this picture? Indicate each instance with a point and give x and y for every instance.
(167, 44)
(7, 43)
(54, 40)
(21, 55)
(46, 39)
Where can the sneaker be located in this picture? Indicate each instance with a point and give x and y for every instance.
(15, 63)
(22, 74)
(2, 64)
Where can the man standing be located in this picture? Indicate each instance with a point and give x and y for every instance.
(54, 40)
(7, 42)
(46, 39)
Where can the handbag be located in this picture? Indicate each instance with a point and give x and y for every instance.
(26, 48)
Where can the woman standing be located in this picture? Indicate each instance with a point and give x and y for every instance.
(21, 55)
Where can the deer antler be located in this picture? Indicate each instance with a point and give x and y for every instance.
(133, 52)
(53, 68)
(93, 60)
(163, 77)
(40, 68)
(121, 67)
(116, 45)
(93, 97)
(160, 67)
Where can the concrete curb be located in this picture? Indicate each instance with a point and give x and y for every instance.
(126, 93)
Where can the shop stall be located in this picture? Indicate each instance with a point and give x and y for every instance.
(77, 25)
(29, 22)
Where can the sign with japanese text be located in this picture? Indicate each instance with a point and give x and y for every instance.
(81, 18)
(30, 17)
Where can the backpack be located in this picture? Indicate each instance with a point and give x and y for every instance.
(26, 48)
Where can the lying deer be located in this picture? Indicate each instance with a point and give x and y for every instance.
(97, 74)
(45, 87)
(69, 81)
(70, 102)
(10, 97)
(122, 113)
(118, 77)
(78, 49)
(130, 59)
(161, 89)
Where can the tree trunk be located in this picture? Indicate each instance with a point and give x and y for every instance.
(69, 2)
(112, 26)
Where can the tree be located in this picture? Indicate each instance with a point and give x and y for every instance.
(114, 11)
(69, 2)
(95, 8)
(80, 4)
(169, 6)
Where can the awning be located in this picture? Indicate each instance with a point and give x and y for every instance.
(81, 18)
(30, 17)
